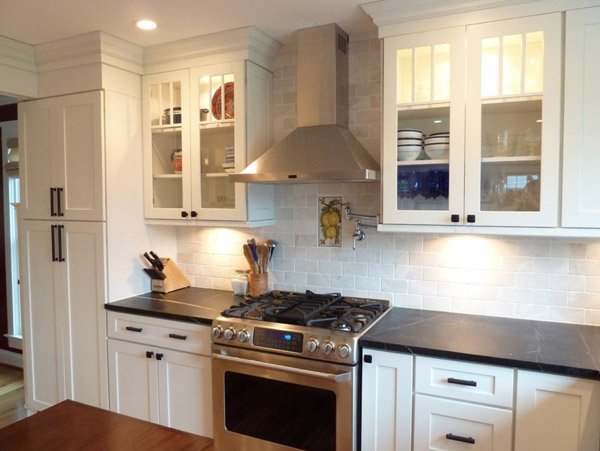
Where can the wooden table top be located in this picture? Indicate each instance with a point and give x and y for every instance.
(70, 425)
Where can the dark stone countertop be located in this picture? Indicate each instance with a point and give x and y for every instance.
(559, 348)
(192, 305)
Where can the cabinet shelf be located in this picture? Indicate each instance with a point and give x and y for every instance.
(166, 129)
(423, 162)
(516, 159)
(167, 176)
(216, 174)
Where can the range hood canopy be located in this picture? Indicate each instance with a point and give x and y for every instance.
(321, 149)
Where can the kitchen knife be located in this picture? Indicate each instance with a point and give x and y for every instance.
(155, 274)
(158, 261)
(150, 259)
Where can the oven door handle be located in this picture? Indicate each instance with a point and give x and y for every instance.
(343, 377)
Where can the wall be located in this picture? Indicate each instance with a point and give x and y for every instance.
(548, 279)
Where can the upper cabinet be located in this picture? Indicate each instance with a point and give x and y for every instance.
(63, 165)
(200, 125)
(471, 131)
(581, 155)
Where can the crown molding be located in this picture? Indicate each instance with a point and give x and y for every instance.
(17, 55)
(242, 43)
(88, 48)
(395, 17)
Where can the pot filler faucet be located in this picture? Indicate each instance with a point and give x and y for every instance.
(359, 234)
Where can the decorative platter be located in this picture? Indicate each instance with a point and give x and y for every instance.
(217, 105)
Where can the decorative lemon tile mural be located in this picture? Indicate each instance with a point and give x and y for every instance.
(330, 221)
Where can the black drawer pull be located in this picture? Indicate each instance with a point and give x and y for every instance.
(159, 356)
(52, 210)
(179, 337)
(452, 380)
(459, 438)
(149, 354)
(133, 329)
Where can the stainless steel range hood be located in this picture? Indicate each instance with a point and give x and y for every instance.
(321, 149)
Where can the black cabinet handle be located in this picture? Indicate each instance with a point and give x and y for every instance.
(178, 337)
(149, 354)
(455, 218)
(133, 329)
(52, 211)
(368, 358)
(60, 254)
(452, 380)
(471, 218)
(159, 356)
(194, 214)
(52, 230)
(58, 203)
(184, 214)
(459, 438)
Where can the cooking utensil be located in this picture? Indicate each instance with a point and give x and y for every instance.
(250, 258)
(263, 257)
(155, 274)
(150, 259)
(271, 245)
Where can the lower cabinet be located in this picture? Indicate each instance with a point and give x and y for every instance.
(157, 383)
(556, 412)
(461, 405)
(63, 292)
(443, 424)
(386, 412)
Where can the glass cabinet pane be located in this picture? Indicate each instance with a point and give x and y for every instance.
(423, 74)
(511, 64)
(217, 140)
(534, 62)
(423, 158)
(167, 158)
(404, 82)
(511, 155)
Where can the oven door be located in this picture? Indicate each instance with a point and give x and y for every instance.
(264, 401)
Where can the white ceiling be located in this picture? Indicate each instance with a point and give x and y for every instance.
(38, 21)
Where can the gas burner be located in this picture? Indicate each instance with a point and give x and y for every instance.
(328, 311)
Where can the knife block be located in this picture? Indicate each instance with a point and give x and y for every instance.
(175, 279)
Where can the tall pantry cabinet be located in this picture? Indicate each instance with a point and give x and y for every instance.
(62, 238)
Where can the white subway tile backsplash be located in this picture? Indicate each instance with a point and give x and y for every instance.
(553, 279)
(368, 283)
(380, 270)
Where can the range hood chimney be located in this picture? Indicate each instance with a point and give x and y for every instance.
(321, 149)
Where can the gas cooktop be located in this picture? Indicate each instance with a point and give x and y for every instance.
(318, 326)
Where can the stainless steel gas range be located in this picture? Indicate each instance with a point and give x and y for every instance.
(285, 371)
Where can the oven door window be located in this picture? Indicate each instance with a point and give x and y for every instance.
(289, 414)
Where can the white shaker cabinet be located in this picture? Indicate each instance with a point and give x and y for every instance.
(386, 410)
(495, 89)
(63, 164)
(63, 292)
(201, 124)
(581, 153)
(556, 412)
(160, 371)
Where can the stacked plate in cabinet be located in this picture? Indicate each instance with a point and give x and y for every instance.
(410, 144)
(437, 145)
(229, 165)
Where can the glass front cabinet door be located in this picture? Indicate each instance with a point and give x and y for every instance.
(513, 122)
(167, 162)
(423, 132)
(471, 131)
(198, 134)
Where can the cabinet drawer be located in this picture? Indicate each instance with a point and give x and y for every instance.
(443, 424)
(473, 382)
(161, 333)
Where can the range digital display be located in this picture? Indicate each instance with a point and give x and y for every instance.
(277, 339)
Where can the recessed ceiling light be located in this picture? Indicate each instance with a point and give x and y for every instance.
(146, 24)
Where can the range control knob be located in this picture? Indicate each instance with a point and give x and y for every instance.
(328, 347)
(229, 334)
(243, 336)
(217, 331)
(312, 345)
(344, 351)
